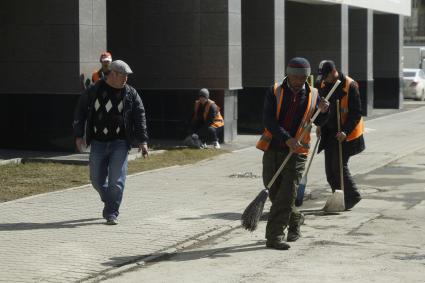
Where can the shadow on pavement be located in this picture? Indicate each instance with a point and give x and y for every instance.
(187, 255)
(222, 215)
(52, 225)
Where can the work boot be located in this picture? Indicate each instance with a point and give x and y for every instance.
(277, 245)
(294, 229)
(351, 202)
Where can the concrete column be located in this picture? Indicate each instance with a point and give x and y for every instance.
(92, 35)
(387, 65)
(317, 32)
(263, 56)
(230, 112)
(361, 54)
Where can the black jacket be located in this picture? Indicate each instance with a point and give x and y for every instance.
(281, 135)
(330, 129)
(133, 113)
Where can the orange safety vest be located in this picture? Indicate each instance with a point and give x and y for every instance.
(266, 138)
(95, 76)
(358, 130)
(218, 119)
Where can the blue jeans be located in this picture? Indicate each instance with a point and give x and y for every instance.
(108, 169)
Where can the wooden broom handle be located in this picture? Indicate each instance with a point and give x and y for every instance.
(338, 118)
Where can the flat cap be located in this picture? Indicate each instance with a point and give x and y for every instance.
(121, 67)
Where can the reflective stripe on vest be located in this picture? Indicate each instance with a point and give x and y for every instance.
(217, 120)
(266, 138)
(358, 130)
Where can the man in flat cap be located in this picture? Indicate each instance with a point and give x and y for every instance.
(351, 134)
(111, 115)
(207, 122)
(288, 107)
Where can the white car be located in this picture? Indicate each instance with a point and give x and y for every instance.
(414, 84)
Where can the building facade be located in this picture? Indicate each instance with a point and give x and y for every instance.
(236, 48)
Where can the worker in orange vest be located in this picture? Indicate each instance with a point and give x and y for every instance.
(105, 59)
(351, 134)
(288, 108)
(207, 122)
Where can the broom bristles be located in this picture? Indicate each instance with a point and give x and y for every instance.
(252, 214)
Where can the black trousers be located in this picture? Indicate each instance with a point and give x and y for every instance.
(208, 133)
(333, 173)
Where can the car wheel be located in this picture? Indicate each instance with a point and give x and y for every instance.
(423, 95)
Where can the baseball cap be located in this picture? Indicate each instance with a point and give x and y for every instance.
(105, 56)
(326, 67)
(121, 67)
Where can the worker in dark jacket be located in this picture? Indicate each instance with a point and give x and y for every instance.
(351, 134)
(111, 116)
(288, 108)
(207, 122)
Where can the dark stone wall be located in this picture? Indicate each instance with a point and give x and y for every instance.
(39, 50)
(387, 42)
(178, 44)
(317, 32)
(361, 54)
(263, 51)
(175, 48)
(39, 121)
(45, 47)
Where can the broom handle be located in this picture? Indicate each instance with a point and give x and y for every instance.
(341, 173)
(311, 158)
(270, 184)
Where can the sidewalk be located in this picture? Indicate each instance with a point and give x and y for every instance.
(61, 237)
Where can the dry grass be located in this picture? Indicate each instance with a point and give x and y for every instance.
(21, 180)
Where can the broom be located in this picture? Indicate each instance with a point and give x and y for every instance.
(251, 216)
(301, 187)
(335, 202)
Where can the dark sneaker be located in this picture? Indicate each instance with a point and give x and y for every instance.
(111, 221)
(350, 203)
(277, 245)
(294, 229)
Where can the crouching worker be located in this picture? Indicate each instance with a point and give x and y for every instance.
(207, 123)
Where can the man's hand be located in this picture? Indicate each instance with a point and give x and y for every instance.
(341, 136)
(143, 147)
(293, 144)
(80, 143)
(323, 105)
